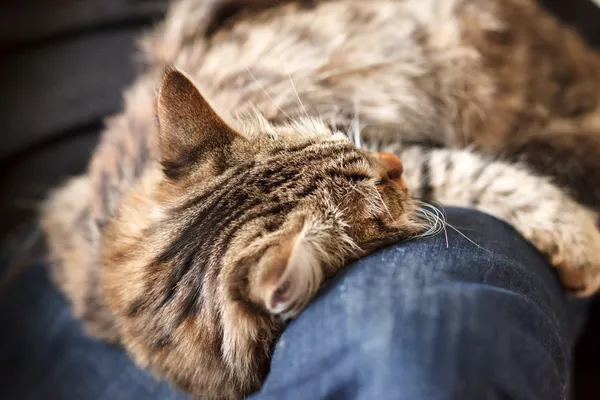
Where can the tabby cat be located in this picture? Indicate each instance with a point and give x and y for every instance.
(213, 210)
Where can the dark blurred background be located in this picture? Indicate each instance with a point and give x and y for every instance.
(63, 65)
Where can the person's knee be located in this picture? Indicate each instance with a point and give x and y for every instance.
(426, 320)
(471, 341)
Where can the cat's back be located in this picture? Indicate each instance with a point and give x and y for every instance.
(326, 58)
(453, 71)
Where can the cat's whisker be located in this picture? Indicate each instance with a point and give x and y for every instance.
(430, 211)
(445, 218)
(355, 189)
(267, 94)
(296, 92)
(356, 127)
(469, 239)
(379, 205)
(350, 134)
(385, 207)
(439, 210)
(433, 224)
(436, 220)
(297, 95)
(333, 118)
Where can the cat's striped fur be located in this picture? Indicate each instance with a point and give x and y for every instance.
(189, 242)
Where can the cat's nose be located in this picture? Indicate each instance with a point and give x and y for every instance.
(393, 167)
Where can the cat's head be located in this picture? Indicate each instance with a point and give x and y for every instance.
(268, 212)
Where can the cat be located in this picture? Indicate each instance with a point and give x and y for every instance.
(213, 210)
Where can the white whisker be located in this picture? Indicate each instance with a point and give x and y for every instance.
(435, 221)
(297, 95)
(445, 219)
(440, 223)
(333, 118)
(385, 207)
(467, 238)
(267, 94)
(294, 87)
(356, 137)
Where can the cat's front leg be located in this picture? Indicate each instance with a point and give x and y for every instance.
(562, 229)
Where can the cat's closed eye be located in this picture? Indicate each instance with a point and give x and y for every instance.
(358, 178)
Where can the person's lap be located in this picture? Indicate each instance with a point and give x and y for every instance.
(433, 319)
(429, 319)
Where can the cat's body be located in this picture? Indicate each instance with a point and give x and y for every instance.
(141, 269)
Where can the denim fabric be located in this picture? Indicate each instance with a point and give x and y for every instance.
(438, 318)
(433, 320)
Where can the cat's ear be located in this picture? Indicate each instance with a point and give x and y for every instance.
(290, 273)
(190, 130)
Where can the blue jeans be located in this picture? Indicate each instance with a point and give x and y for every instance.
(429, 319)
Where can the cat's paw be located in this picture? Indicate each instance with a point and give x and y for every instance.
(580, 281)
(577, 257)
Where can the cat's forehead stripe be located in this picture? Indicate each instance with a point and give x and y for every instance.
(315, 146)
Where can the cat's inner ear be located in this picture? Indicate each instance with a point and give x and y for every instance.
(190, 131)
(289, 274)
